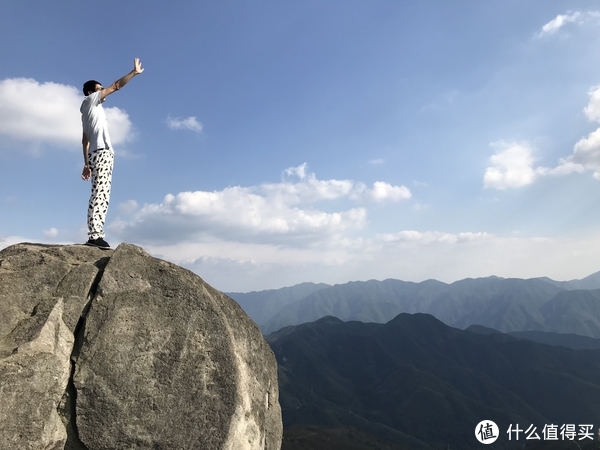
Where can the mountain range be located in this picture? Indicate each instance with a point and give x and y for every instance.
(401, 365)
(416, 383)
(507, 305)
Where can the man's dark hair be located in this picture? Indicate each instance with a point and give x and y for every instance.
(90, 86)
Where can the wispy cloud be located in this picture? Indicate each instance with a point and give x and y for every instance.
(420, 206)
(48, 113)
(430, 237)
(558, 22)
(561, 20)
(188, 123)
(376, 162)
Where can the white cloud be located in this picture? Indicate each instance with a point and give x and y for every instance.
(586, 153)
(298, 171)
(51, 232)
(592, 110)
(312, 190)
(558, 22)
(380, 192)
(561, 20)
(308, 189)
(375, 162)
(119, 126)
(188, 123)
(7, 241)
(283, 213)
(512, 166)
(383, 191)
(48, 113)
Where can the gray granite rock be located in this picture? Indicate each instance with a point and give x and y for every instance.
(43, 291)
(160, 361)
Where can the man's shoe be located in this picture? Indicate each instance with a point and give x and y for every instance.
(100, 243)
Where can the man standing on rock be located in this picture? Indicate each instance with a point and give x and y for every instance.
(98, 153)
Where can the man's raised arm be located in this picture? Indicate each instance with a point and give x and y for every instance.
(137, 69)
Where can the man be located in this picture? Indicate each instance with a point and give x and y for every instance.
(98, 154)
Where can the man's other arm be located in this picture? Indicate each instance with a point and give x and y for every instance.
(86, 173)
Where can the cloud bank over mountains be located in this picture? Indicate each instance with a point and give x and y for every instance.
(409, 255)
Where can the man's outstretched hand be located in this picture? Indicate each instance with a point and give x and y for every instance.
(137, 66)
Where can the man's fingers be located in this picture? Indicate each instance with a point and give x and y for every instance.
(137, 64)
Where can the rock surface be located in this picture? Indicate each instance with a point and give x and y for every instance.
(120, 350)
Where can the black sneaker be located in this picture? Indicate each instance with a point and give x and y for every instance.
(100, 243)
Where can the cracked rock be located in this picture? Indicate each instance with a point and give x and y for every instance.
(120, 350)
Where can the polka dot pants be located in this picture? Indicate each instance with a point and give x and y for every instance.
(101, 164)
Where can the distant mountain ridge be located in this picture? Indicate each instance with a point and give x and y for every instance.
(507, 305)
(262, 305)
(420, 384)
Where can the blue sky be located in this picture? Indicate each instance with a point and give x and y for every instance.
(269, 143)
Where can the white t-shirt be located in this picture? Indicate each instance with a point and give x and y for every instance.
(94, 122)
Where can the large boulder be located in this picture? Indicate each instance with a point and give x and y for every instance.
(120, 350)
